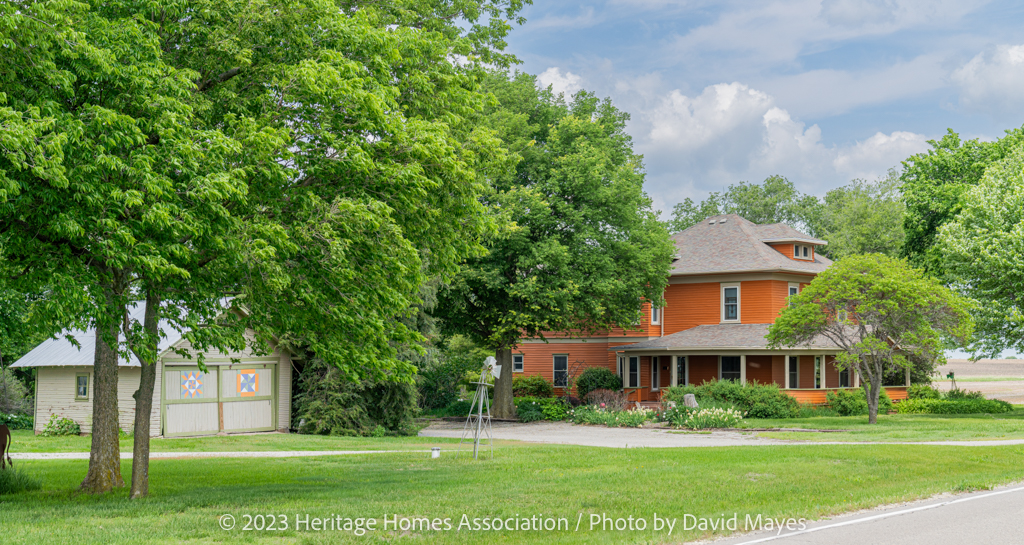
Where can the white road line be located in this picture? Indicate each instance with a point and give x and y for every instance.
(883, 515)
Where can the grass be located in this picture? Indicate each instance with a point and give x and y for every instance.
(188, 497)
(900, 427)
(26, 441)
(989, 379)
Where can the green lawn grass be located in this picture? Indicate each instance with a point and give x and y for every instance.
(900, 427)
(26, 441)
(989, 379)
(188, 496)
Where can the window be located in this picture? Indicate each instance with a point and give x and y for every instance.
(730, 303)
(730, 368)
(681, 371)
(794, 372)
(655, 383)
(796, 251)
(842, 316)
(806, 255)
(82, 386)
(622, 369)
(818, 372)
(794, 289)
(561, 371)
(655, 316)
(517, 363)
(632, 378)
(844, 378)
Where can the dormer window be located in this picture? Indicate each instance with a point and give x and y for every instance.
(801, 252)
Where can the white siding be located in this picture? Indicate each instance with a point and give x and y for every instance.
(192, 418)
(284, 396)
(56, 387)
(248, 415)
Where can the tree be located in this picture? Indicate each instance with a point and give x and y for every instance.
(862, 218)
(982, 249)
(775, 200)
(893, 312)
(581, 248)
(933, 184)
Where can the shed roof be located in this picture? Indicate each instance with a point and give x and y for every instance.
(60, 352)
(729, 243)
(717, 336)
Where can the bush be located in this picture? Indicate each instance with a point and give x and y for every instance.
(704, 418)
(531, 409)
(854, 402)
(958, 394)
(607, 399)
(16, 421)
(14, 480)
(440, 382)
(456, 408)
(597, 378)
(960, 406)
(60, 425)
(327, 402)
(14, 397)
(922, 391)
(754, 399)
(532, 386)
(589, 414)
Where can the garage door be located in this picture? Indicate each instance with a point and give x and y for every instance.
(224, 399)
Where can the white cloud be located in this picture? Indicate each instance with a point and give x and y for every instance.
(865, 158)
(567, 83)
(993, 81)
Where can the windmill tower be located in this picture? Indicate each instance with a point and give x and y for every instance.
(478, 423)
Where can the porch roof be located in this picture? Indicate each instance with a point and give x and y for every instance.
(718, 336)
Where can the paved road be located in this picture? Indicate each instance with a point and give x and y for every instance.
(992, 517)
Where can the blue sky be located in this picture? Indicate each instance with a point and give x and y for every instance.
(818, 91)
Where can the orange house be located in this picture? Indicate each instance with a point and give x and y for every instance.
(729, 281)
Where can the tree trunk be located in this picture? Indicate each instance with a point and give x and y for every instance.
(105, 456)
(144, 398)
(503, 405)
(874, 387)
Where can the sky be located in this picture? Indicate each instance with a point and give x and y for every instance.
(818, 91)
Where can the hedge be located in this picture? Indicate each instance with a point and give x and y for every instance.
(16, 421)
(532, 386)
(946, 406)
(531, 409)
(755, 399)
(597, 378)
(855, 402)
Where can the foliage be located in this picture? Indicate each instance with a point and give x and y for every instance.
(923, 391)
(893, 312)
(581, 247)
(934, 183)
(60, 425)
(982, 249)
(775, 200)
(597, 378)
(530, 409)
(634, 418)
(17, 421)
(440, 379)
(860, 218)
(855, 402)
(613, 400)
(709, 418)
(953, 406)
(327, 402)
(754, 399)
(958, 394)
(14, 397)
(456, 408)
(532, 386)
(14, 480)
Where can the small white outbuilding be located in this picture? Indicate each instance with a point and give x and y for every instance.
(252, 394)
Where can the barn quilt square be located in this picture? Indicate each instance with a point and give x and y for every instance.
(248, 383)
(192, 385)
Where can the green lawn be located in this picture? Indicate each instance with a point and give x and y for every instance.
(989, 379)
(900, 427)
(188, 496)
(26, 441)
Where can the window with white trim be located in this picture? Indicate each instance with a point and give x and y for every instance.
(731, 303)
(517, 363)
(842, 316)
(655, 315)
(818, 371)
(631, 379)
(655, 375)
(794, 371)
(729, 368)
(794, 289)
(561, 370)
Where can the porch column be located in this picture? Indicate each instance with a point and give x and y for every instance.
(856, 378)
(908, 377)
(674, 364)
(743, 370)
(785, 369)
(823, 369)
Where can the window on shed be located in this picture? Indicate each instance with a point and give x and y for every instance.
(82, 386)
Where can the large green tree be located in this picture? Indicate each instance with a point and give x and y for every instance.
(315, 160)
(776, 200)
(982, 250)
(580, 247)
(861, 218)
(880, 312)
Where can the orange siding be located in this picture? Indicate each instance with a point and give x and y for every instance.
(759, 368)
(779, 370)
(784, 249)
(818, 397)
(806, 372)
(757, 302)
(703, 369)
(538, 357)
(691, 305)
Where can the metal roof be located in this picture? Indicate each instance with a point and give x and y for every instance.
(60, 352)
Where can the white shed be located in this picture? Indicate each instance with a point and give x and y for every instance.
(253, 395)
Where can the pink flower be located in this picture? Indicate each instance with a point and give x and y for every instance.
(602, 405)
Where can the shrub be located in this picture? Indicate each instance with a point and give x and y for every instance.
(456, 408)
(16, 421)
(704, 418)
(532, 386)
(14, 397)
(960, 406)
(440, 382)
(14, 480)
(854, 402)
(607, 399)
(530, 409)
(597, 378)
(60, 425)
(922, 391)
(588, 414)
(957, 394)
(754, 399)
